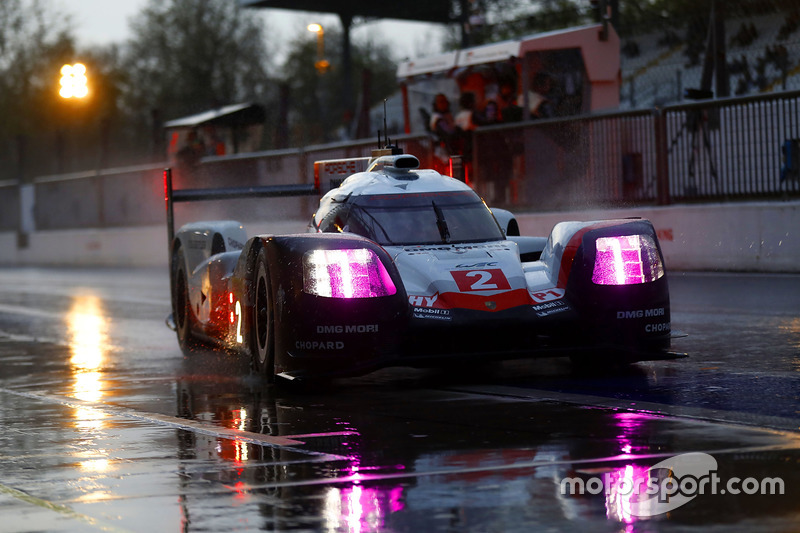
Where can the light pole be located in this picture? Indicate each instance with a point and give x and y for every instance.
(322, 65)
(74, 87)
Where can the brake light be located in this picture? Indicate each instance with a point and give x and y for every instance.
(167, 178)
(626, 260)
(348, 273)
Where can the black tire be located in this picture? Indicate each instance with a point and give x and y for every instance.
(182, 308)
(262, 330)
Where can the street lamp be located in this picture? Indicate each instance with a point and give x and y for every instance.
(73, 81)
(74, 87)
(322, 64)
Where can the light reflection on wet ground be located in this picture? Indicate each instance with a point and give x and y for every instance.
(92, 427)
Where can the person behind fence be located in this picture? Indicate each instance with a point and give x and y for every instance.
(466, 122)
(443, 126)
(187, 159)
(490, 114)
(541, 99)
(465, 118)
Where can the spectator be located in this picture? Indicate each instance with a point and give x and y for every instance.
(465, 118)
(465, 123)
(509, 109)
(442, 123)
(490, 115)
(443, 126)
(541, 99)
(187, 159)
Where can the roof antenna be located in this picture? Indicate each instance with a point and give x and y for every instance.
(385, 129)
(387, 148)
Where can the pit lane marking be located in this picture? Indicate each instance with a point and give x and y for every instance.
(284, 443)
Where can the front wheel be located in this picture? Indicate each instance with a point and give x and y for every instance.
(263, 324)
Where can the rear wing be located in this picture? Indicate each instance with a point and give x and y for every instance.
(172, 196)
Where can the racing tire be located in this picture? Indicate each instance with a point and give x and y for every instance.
(182, 307)
(263, 322)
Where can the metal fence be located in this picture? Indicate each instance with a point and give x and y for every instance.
(731, 149)
(718, 150)
(599, 160)
(134, 196)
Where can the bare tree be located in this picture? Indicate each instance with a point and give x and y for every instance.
(34, 41)
(316, 101)
(186, 56)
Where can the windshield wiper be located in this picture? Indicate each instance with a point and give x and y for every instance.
(441, 223)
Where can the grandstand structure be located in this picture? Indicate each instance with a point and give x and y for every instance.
(763, 55)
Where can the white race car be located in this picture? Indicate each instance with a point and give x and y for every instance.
(407, 267)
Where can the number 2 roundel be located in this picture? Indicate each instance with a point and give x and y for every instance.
(490, 279)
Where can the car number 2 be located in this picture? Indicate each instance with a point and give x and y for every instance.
(491, 279)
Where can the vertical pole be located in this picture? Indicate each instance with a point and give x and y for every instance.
(347, 69)
(662, 163)
(466, 41)
(406, 110)
(720, 51)
(170, 212)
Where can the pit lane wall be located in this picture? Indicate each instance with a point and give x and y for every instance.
(754, 237)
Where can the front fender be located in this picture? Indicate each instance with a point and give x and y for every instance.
(317, 334)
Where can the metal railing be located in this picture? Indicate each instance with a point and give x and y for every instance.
(733, 148)
(716, 150)
(134, 196)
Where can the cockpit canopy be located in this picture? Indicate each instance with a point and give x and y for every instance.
(418, 218)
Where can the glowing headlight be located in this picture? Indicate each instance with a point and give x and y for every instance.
(348, 273)
(626, 260)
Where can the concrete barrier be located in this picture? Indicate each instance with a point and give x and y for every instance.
(143, 246)
(758, 236)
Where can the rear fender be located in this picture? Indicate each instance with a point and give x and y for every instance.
(619, 313)
(201, 240)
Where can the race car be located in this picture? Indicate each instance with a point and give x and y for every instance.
(403, 266)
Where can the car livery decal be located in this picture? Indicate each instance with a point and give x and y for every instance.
(489, 279)
(547, 295)
(476, 302)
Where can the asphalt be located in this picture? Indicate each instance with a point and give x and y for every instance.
(107, 426)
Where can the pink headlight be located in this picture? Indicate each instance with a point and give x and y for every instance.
(348, 273)
(626, 260)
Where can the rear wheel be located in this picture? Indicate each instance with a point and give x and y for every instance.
(182, 307)
(263, 324)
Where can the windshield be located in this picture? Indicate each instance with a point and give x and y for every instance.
(428, 218)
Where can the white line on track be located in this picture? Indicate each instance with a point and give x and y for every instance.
(194, 426)
(60, 509)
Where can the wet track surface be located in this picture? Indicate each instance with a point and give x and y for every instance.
(106, 426)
